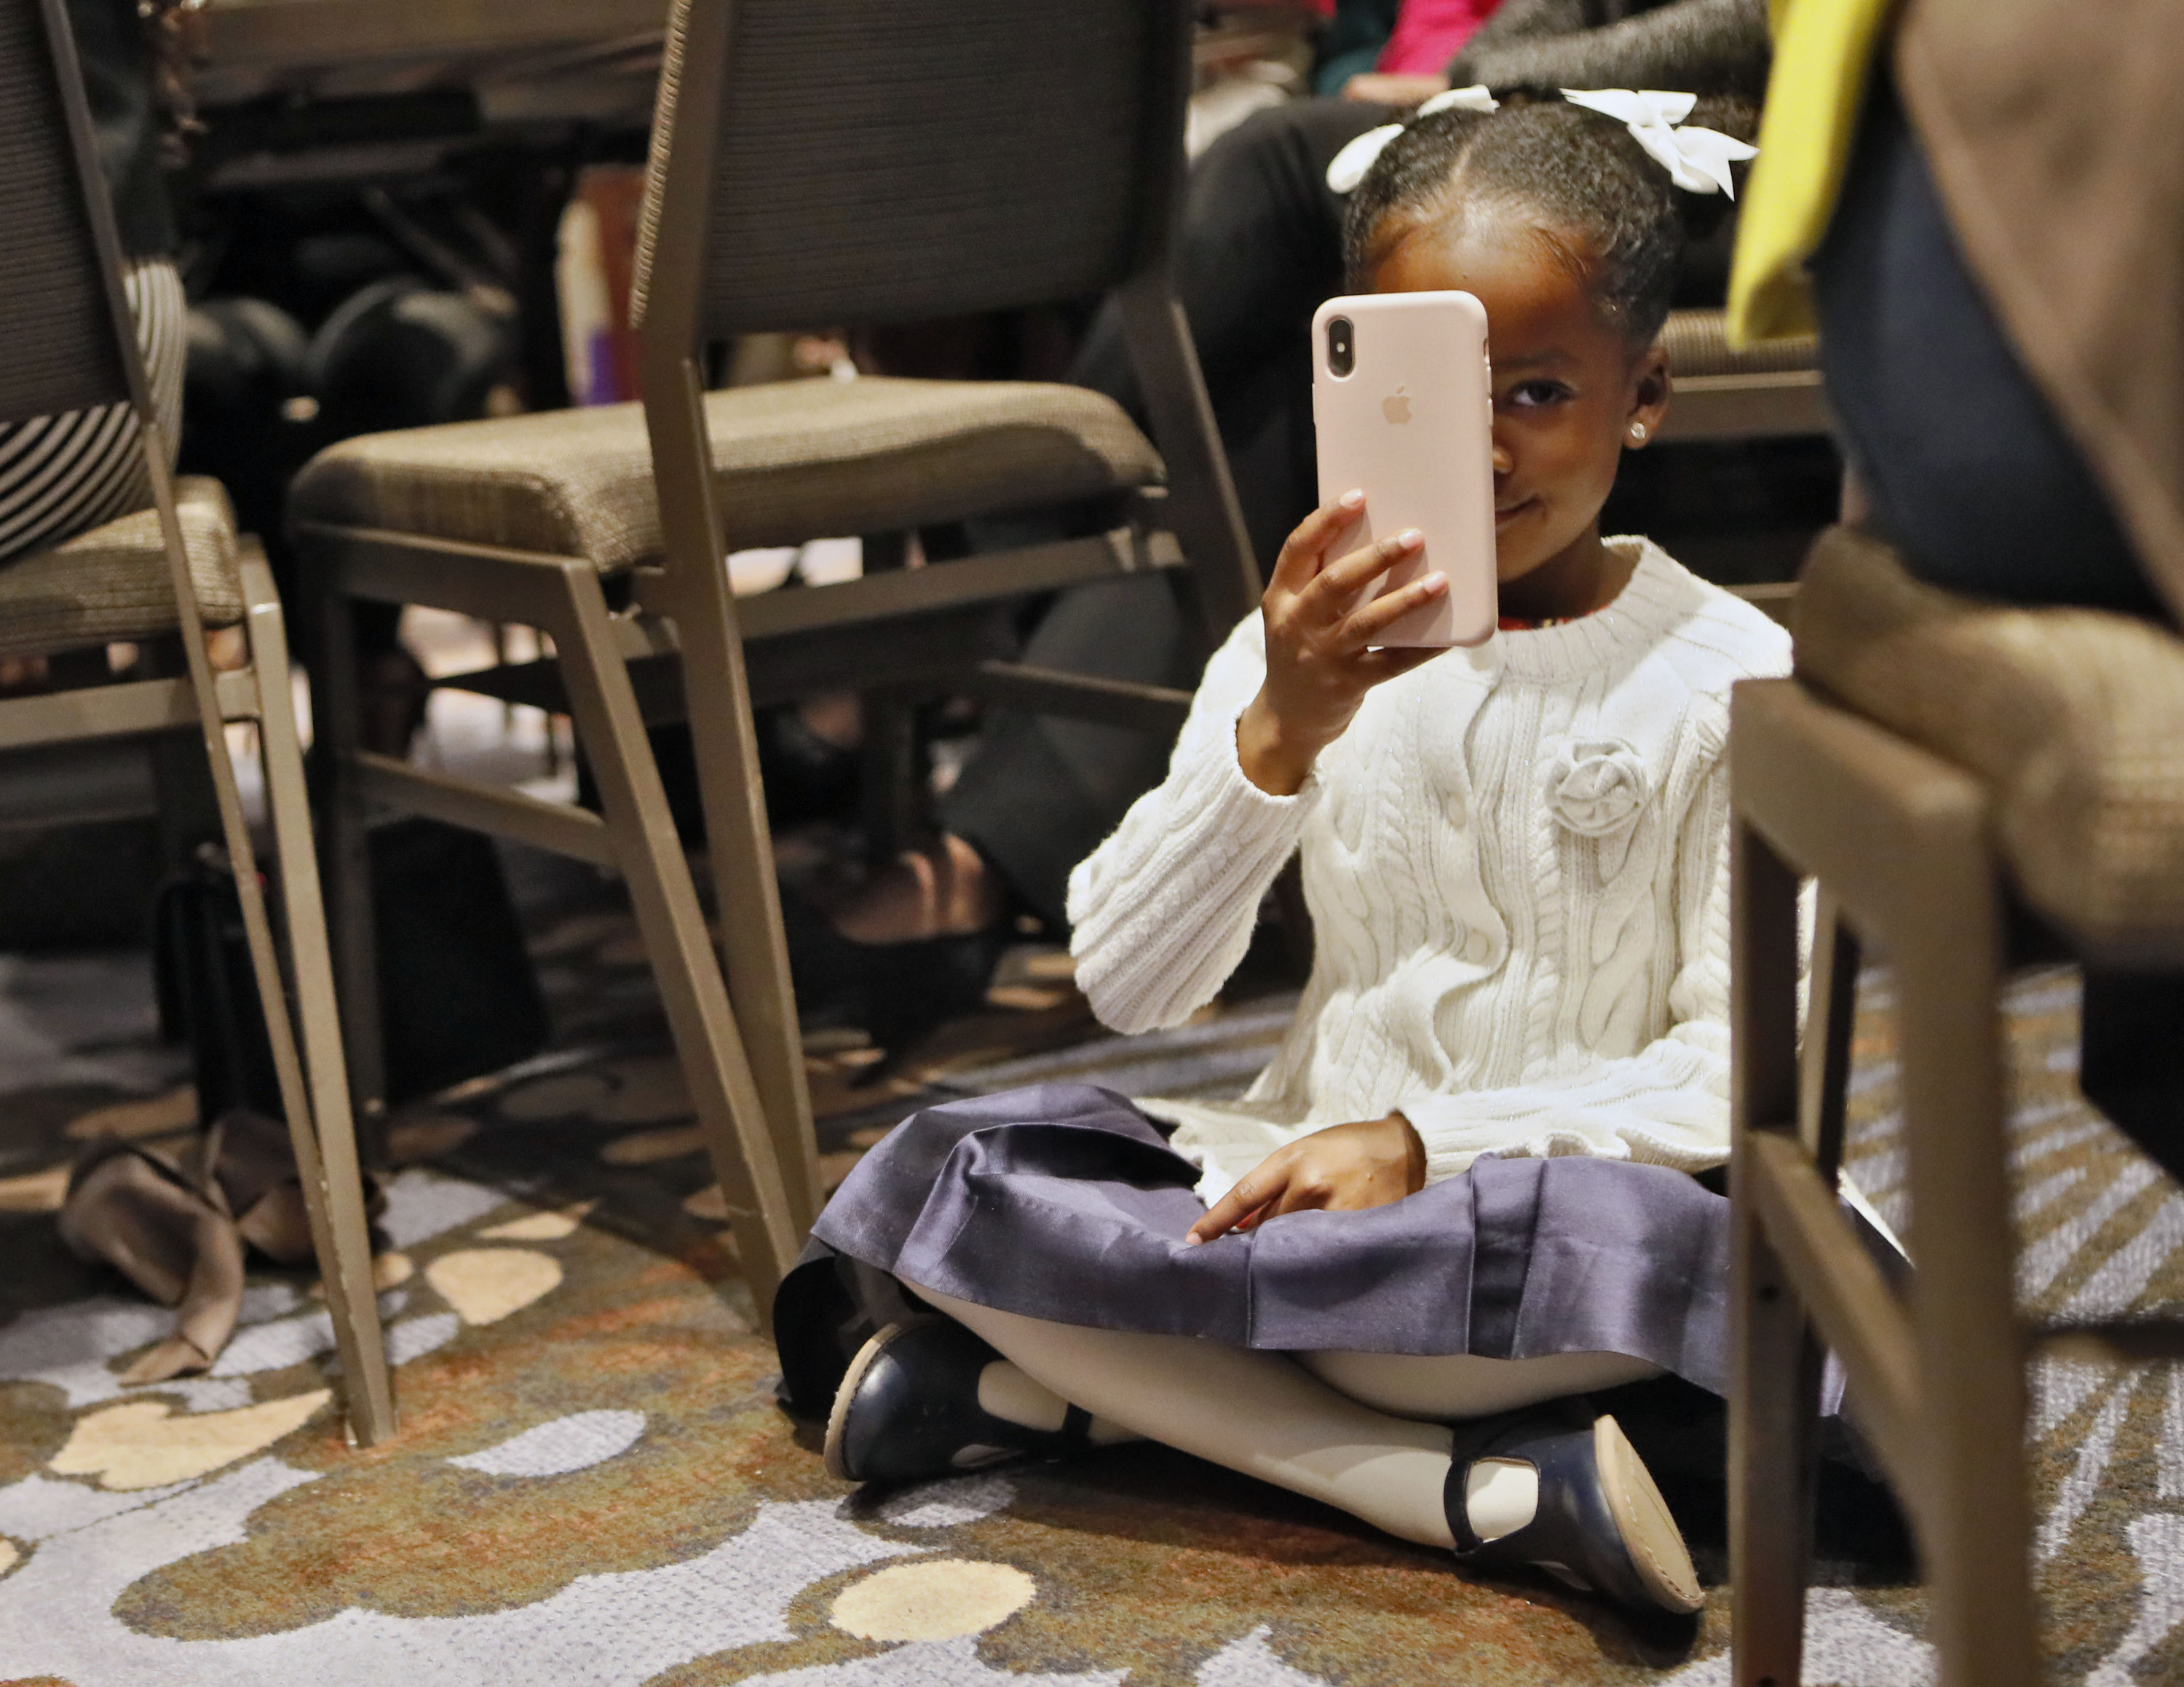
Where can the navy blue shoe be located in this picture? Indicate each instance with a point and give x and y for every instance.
(908, 1410)
(1601, 1526)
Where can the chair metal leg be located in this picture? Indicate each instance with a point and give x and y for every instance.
(1904, 838)
(754, 948)
(740, 846)
(257, 927)
(1977, 1533)
(334, 1197)
(706, 1029)
(1775, 1366)
(1206, 516)
(345, 855)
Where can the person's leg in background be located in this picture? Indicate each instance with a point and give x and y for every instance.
(64, 474)
(1039, 792)
(1261, 247)
(1969, 472)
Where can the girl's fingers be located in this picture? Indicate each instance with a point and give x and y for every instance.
(1331, 595)
(1363, 625)
(1318, 533)
(1392, 661)
(1259, 1189)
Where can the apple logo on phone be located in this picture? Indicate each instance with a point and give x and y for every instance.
(1396, 406)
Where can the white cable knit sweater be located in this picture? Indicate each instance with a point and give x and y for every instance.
(1516, 863)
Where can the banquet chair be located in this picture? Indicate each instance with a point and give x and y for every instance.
(159, 578)
(816, 164)
(1973, 786)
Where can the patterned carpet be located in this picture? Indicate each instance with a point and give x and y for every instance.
(592, 1484)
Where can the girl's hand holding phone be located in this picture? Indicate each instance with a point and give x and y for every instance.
(1320, 659)
(1344, 1168)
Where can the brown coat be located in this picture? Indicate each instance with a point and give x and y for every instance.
(2055, 132)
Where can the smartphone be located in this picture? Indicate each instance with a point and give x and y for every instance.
(1402, 403)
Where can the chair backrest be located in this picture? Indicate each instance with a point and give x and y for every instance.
(65, 342)
(862, 163)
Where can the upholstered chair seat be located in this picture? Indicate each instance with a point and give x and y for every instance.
(112, 584)
(792, 460)
(2073, 719)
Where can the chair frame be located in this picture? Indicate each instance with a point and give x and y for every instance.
(1769, 404)
(686, 649)
(1713, 402)
(1902, 843)
(312, 1078)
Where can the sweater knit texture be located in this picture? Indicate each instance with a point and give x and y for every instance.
(1516, 859)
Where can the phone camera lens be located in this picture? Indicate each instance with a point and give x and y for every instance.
(1341, 347)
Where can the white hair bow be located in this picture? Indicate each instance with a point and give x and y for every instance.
(1697, 159)
(1348, 167)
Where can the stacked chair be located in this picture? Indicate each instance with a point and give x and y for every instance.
(1768, 390)
(1723, 392)
(815, 164)
(160, 578)
(1972, 786)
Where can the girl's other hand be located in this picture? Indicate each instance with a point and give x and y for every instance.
(1320, 662)
(1344, 1168)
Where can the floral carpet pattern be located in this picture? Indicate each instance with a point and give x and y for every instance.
(592, 1484)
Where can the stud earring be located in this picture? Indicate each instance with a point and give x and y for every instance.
(1638, 433)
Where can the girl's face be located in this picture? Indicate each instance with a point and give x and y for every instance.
(1567, 389)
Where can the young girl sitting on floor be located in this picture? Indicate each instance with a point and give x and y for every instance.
(1461, 1194)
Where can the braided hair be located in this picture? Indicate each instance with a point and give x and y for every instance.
(1605, 207)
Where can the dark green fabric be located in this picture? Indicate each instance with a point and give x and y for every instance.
(1350, 43)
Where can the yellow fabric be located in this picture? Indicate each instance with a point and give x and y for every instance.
(1823, 51)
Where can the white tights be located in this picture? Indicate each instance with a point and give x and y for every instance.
(1352, 1429)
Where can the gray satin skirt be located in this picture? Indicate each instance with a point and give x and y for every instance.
(1063, 1202)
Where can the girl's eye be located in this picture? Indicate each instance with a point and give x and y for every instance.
(1532, 395)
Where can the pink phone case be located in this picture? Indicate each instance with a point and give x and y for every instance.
(1413, 424)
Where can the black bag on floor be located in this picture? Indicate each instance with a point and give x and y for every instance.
(208, 996)
(458, 995)
(457, 999)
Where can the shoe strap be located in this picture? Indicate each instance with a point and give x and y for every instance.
(1453, 1502)
(1473, 1440)
(1480, 1438)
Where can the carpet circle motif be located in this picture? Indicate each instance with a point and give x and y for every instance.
(942, 1599)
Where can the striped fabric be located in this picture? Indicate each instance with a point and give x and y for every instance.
(60, 476)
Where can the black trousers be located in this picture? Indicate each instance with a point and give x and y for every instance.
(1038, 794)
(1977, 484)
(1261, 247)
(1971, 474)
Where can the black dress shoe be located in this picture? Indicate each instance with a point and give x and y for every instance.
(908, 1410)
(894, 992)
(1602, 1525)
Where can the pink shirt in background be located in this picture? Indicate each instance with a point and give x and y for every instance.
(1429, 33)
